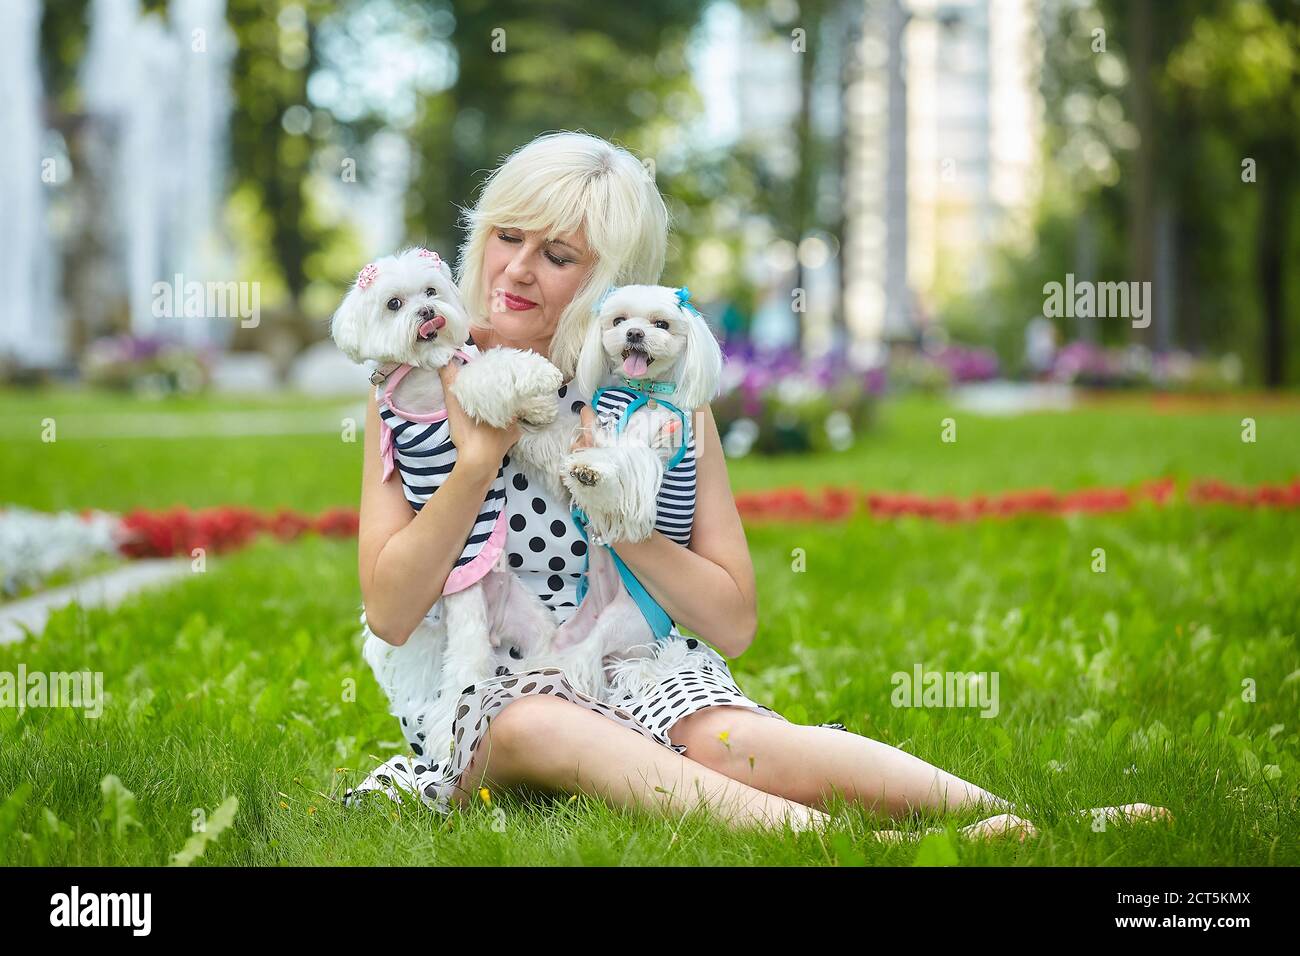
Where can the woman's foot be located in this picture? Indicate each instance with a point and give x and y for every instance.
(1002, 825)
(1129, 813)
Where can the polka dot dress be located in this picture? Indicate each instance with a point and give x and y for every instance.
(648, 696)
(543, 547)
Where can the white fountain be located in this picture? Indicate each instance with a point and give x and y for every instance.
(162, 93)
(208, 49)
(32, 320)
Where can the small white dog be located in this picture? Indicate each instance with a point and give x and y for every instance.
(648, 362)
(405, 313)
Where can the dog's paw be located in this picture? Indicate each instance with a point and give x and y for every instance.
(584, 475)
(624, 528)
(542, 374)
(585, 468)
(539, 410)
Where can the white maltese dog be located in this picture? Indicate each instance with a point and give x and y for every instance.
(405, 314)
(657, 360)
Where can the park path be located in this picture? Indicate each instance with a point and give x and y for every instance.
(101, 590)
(110, 588)
(232, 424)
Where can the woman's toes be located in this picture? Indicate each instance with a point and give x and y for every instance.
(1132, 813)
(903, 836)
(1003, 825)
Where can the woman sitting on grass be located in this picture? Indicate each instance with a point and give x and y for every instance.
(557, 223)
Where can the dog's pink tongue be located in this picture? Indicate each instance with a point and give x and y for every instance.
(429, 326)
(635, 364)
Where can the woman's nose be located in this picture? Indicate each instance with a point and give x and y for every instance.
(518, 269)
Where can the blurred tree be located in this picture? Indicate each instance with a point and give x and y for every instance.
(275, 59)
(63, 44)
(617, 71)
(1151, 110)
(1240, 69)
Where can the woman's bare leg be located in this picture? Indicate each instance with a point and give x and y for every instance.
(809, 764)
(556, 745)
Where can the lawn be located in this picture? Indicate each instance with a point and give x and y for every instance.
(1171, 678)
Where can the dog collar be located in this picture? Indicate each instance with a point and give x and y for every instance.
(382, 372)
(646, 385)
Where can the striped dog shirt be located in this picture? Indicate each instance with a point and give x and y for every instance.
(675, 506)
(419, 448)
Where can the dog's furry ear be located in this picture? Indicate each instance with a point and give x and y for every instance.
(592, 367)
(699, 369)
(345, 326)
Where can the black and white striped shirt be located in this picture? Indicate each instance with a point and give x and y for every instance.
(675, 507)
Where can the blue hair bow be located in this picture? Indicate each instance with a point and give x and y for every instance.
(684, 300)
(604, 295)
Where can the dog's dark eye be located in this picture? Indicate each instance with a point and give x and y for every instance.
(661, 324)
(394, 305)
(618, 320)
(429, 292)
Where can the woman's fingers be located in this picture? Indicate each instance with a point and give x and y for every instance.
(448, 373)
(583, 437)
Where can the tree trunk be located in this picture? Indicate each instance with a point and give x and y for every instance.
(1141, 192)
(1274, 220)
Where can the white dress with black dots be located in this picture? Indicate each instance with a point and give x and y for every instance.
(547, 553)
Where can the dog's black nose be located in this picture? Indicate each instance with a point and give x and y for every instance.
(426, 312)
(635, 335)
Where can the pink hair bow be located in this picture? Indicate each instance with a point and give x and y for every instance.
(367, 276)
(429, 254)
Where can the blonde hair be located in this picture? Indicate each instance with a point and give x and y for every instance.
(557, 184)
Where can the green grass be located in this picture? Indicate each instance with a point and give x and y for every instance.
(1093, 446)
(1114, 687)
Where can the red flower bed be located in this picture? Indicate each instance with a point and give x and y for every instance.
(797, 504)
(178, 531)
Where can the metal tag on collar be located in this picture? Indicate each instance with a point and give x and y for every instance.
(381, 372)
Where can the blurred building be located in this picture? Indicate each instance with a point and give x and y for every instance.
(943, 125)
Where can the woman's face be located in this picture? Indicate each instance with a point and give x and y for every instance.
(530, 282)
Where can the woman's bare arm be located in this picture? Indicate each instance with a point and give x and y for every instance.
(404, 558)
(708, 587)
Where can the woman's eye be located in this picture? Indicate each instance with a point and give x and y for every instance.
(618, 320)
(429, 292)
(558, 261)
(507, 238)
(660, 324)
(394, 305)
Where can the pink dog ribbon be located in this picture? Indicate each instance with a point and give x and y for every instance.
(429, 254)
(367, 276)
(473, 571)
(386, 449)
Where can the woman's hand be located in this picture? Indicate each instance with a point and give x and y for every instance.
(583, 434)
(404, 558)
(478, 445)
